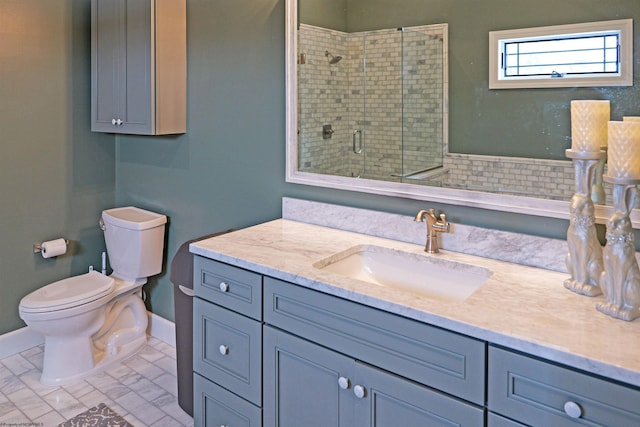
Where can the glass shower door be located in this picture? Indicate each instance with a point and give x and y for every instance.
(422, 102)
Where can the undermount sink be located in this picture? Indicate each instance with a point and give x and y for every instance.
(430, 276)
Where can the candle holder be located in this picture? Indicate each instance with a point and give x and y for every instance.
(598, 194)
(620, 282)
(584, 259)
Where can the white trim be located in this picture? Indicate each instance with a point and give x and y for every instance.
(18, 341)
(22, 339)
(162, 329)
(623, 78)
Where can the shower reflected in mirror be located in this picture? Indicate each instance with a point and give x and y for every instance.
(386, 102)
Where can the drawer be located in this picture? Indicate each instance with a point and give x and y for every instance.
(495, 420)
(536, 392)
(227, 349)
(231, 287)
(215, 406)
(431, 356)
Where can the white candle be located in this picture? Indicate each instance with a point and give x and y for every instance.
(624, 150)
(589, 125)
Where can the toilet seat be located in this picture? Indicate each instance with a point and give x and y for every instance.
(68, 293)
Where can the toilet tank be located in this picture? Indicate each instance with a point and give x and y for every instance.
(135, 241)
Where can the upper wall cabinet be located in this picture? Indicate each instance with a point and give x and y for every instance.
(138, 66)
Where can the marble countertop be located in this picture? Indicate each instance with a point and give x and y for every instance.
(519, 307)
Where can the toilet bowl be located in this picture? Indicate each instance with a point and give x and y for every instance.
(92, 321)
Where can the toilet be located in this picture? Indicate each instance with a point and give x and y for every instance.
(92, 321)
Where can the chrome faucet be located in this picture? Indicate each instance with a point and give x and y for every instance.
(434, 225)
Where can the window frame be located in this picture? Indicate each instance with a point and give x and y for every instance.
(498, 39)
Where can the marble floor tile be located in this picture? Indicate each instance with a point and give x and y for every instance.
(142, 389)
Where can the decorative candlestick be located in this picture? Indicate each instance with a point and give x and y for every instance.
(584, 259)
(588, 134)
(620, 281)
(598, 194)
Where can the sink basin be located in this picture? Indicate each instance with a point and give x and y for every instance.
(430, 276)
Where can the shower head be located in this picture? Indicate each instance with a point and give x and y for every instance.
(332, 59)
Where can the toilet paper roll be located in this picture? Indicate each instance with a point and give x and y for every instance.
(53, 248)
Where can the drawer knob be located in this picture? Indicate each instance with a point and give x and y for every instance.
(223, 349)
(344, 383)
(572, 409)
(224, 287)
(359, 391)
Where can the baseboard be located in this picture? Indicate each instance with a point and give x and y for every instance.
(19, 340)
(162, 329)
(22, 339)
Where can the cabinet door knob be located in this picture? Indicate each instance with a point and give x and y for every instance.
(359, 391)
(223, 349)
(344, 383)
(224, 287)
(113, 122)
(119, 122)
(573, 409)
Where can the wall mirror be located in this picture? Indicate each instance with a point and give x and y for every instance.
(391, 97)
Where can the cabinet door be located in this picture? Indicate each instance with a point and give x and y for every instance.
(106, 25)
(386, 400)
(302, 383)
(137, 95)
(122, 61)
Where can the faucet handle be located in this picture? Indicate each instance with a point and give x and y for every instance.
(443, 218)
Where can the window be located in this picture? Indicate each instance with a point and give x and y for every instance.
(577, 55)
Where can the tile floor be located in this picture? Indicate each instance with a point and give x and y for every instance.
(142, 389)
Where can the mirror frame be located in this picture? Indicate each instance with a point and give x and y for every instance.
(469, 198)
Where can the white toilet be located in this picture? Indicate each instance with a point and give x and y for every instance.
(92, 321)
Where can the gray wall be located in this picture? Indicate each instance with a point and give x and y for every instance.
(227, 171)
(55, 175)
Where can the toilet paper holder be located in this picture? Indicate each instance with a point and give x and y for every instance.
(37, 247)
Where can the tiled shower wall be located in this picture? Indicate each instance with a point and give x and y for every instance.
(334, 94)
(322, 99)
(398, 106)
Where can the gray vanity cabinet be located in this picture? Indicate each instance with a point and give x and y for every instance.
(273, 353)
(138, 66)
(539, 393)
(331, 381)
(227, 346)
(309, 385)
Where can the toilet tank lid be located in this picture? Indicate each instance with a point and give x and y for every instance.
(68, 292)
(133, 218)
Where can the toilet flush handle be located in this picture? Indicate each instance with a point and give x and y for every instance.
(103, 227)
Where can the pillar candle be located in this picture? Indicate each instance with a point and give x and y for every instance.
(624, 150)
(589, 125)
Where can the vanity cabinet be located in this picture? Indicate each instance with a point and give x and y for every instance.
(310, 385)
(537, 392)
(275, 354)
(332, 362)
(138, 66)
(227, 347)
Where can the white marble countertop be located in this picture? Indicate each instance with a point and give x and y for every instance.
(523, 308)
